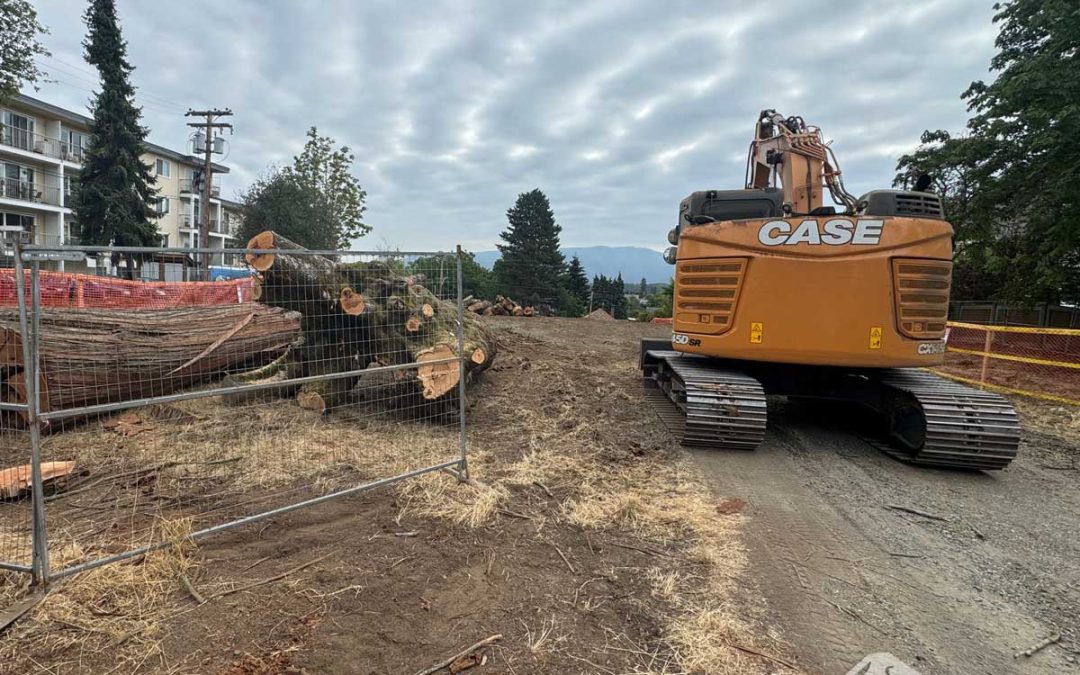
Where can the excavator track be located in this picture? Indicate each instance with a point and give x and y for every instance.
(961, 427)
(931, 421)
(714, 407)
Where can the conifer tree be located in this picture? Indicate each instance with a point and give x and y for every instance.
(577, 287)
(115, 191)
(531, 268)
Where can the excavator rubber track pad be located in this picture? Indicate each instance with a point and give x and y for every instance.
(718, 407)
(965, 428)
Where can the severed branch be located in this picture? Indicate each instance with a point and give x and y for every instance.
(1045, 643)
(765, 656)
(190, 588)
(269, 580)
(84, 486)
(465, 652)
(917, 512)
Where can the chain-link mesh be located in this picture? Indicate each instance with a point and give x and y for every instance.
(206, 403)
(1039, 362)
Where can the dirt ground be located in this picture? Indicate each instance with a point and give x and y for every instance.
(594, 544)
(587, 545)
(845, 575)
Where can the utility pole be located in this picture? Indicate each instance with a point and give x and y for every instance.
(208, 128)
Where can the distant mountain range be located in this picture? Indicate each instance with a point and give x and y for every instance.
(633, 262)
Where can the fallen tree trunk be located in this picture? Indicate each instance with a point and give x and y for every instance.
(363, 315)
(95, 356)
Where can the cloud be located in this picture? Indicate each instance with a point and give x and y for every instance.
(616, 109)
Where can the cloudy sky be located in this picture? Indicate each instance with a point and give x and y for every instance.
(616, 109)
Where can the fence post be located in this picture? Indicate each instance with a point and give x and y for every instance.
(31, 354)
(986, 354)
(464, 467)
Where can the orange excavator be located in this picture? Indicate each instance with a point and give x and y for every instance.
(779, 294)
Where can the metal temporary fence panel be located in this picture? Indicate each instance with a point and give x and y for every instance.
(333, 373)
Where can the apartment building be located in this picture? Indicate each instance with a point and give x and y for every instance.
(41, 153)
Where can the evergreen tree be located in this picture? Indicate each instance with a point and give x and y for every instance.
(115, 191)
(618, 298)
(577, 286)
(531, 268)
(1009, 183)
(643, 289)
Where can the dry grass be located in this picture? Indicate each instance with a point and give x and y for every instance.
(112, 613)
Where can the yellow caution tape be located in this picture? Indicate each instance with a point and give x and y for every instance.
(1006, 390)
(1016, 329)
(1021, 359)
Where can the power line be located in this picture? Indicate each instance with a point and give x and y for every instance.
(93, 74)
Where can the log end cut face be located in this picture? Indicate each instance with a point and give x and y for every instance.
(437, 378)
(352, 303)
(261, 261)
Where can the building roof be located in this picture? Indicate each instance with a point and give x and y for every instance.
(228, 203)
(72, 117)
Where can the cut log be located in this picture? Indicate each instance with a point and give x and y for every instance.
(437, 378)
(528, 311)
(517, 311)
(352, 303)
(324, 395)
(402, 323)
(95, 356)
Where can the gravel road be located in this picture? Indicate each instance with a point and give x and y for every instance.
(845, 575)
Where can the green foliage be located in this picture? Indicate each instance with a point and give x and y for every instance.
(112, 202)
(643, 289)
(662, 300)
(324, 174)
(609, 295)
(1009, 184)
(577, 288)
(441, 276)
(531, 269)
(19, 31)
(280, 203)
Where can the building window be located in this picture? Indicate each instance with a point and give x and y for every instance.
(16, 222)
(162, 206)
(16, 130)
(164, 241)
(72, 231)
(162, 167)
(74, 144)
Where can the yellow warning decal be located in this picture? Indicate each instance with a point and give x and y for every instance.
(875, 337)
(756, 331)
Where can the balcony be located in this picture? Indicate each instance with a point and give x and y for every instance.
(26, 191)
(187, 187)
(29, 141)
